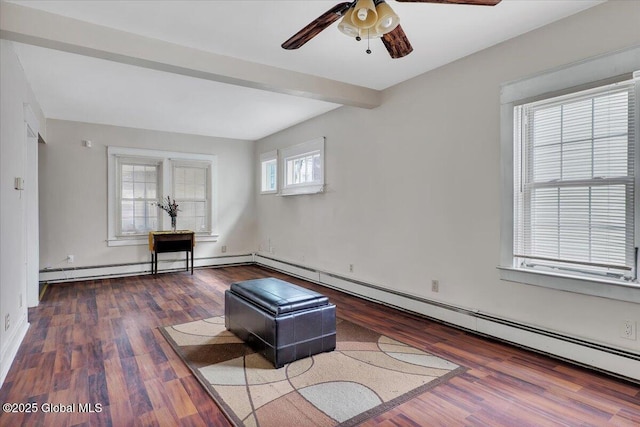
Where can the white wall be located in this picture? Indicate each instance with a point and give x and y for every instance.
(73, 192)
(16, 93)
(414, 186)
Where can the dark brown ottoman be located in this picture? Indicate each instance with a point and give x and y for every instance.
(280, 320)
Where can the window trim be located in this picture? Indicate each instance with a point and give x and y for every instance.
(269, 156)
(530, 184)
(598, 71)
(165, 159)
(297, 151)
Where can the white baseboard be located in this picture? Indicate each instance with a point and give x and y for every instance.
(599, 358)
(292, 269)
(10, 351)
(614, 361)
(133, 269)
(611, 360)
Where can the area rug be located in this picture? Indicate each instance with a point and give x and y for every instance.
(366, 375)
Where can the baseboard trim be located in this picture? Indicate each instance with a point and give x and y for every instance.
(11, 350)
(613, 361)
(96, 272)
(610, 360)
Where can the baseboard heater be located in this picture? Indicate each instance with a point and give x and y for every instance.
(613, 361)
(621, 363)
(106, 271)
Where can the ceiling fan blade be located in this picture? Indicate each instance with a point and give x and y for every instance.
(315, 27)
(473, 2)
(397, 43)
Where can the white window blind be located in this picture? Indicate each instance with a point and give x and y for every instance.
(139, 178)
(137, 191)
(191, 190)
(574, 182)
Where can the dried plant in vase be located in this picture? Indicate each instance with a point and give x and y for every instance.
(170, 207)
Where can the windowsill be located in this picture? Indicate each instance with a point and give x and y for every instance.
(302, 189)
(144, 240)
(599, 287)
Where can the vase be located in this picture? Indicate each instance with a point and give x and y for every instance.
(173, 223)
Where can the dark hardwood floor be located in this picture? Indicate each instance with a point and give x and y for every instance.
(97, 342)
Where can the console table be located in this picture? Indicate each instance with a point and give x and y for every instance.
(171, 241)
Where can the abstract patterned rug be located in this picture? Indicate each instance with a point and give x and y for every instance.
(366, 375)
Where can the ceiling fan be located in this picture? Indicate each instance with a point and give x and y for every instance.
(369, 19)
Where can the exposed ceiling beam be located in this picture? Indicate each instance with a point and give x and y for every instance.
(44, 29)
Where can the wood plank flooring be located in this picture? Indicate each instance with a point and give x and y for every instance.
(97, 342)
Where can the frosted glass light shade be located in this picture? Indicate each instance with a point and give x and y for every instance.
(387, 19)
(364, 14)
(346, 25)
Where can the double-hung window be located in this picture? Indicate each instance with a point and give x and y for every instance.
(569, 172)
(138, 179)
(137, 191)
(574, 182)
(191, 192)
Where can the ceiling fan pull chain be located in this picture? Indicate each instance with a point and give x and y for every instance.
(368, 43)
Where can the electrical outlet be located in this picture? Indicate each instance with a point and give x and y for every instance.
(70, 259)
(7, 322)
(350, 268)
(628, 330)
(223, 249)
(435, 286)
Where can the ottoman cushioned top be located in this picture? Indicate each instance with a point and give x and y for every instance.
(277, 296)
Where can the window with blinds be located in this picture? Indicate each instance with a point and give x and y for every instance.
(191, 190)
(574, 182)
(137, 192)
(138, 179)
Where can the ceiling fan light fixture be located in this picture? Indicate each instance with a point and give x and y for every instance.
(387, 18)
(346, 25)
(370, 33)
(364, 14)
(368, 19)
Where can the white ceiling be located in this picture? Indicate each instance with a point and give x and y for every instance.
(84, 88)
